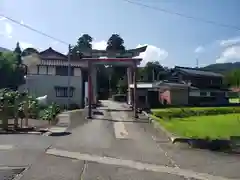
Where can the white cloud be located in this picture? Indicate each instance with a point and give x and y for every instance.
(229, 54)
(25, 45)
(152, 53)
(100, 45)
(2, 18)
(199, 49)
(229, 42)
(8, 30)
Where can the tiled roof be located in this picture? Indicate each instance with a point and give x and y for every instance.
(198, 72)
(50, 50)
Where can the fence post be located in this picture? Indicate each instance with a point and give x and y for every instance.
(5, 114)
(16, 112)
(26, 111)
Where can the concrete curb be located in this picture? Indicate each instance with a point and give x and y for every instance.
(191, 141)
(22, 132)
(62, 125)
(156, 125)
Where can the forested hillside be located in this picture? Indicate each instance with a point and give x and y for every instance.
(222, 68)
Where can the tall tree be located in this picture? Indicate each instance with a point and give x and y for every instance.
(18, 49)
(18, 53)
(13, 76)
(115, 43)
(84, 43)
(153, 71)
(29, 51)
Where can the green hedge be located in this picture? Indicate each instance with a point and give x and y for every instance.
(188, 112)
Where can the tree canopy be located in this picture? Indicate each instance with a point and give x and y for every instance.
(153, 71)
(115, 43)
(84, 43)
(9, 69)
(232, 78)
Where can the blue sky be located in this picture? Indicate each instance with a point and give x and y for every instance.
(173, 40)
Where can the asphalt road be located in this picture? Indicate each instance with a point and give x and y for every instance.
(113, 146)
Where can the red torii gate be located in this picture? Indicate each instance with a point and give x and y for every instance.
(131, 63)
(119, 58)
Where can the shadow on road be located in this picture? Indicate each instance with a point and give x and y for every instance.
(118, 110)
(61, 134)
(114, 120)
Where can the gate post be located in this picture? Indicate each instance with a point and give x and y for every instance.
(130, 81)
(135, 90)
(89, 90)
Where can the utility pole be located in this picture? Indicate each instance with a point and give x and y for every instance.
(197, 63)
(69, 77)
(153, 75)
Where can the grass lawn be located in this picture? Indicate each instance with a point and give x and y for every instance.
(190, 108)
(234, 100)
(213, 127)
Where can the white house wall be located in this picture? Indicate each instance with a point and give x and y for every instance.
(44, 84)
(77, 72)
(40, 85)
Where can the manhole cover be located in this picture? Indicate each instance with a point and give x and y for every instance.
(9, 174)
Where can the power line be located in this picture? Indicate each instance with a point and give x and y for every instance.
(35, 30)
(183, 15)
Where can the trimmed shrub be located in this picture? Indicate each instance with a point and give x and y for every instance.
(188, 112)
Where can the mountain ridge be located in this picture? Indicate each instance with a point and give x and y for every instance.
(2, 49)
(221, 67)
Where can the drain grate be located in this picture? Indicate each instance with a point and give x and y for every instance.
(10, 174)
(98, 113)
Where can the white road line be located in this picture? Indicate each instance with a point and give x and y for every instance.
(120, 130)
(6, 146)
(135, 164)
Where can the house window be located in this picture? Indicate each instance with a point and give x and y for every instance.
(214, 94)
(42, 69)
(63, 71)
(63, 91)
(50, 70)
(203, 93)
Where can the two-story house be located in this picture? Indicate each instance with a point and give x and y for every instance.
(204, 87)
(50, 78)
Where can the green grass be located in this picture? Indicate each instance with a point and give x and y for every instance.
(184, 112)
(190, 108)
(234, 100)
(213, 127)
